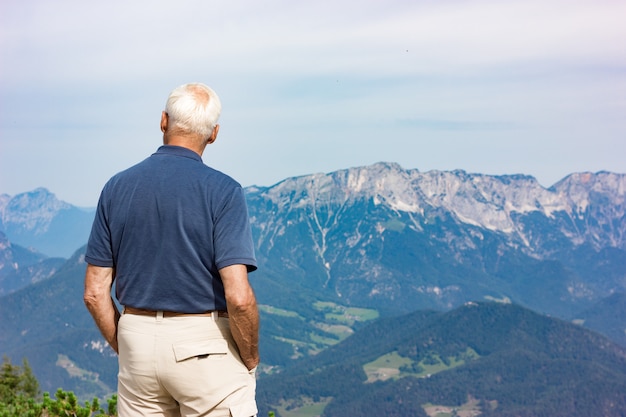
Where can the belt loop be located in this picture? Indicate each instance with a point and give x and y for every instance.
(215, 315)
(159, 315)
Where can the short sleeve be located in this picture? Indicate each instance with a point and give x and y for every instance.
(232, 235)
(99, 249)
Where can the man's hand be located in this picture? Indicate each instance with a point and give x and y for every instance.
(97, 297)
(242, 312)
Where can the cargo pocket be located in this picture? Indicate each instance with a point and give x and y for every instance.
(199, 348)
(247, 409)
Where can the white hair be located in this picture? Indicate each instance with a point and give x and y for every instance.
(194, 108)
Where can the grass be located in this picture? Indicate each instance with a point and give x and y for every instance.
(385, 367)
(305, 407)
(321, 340)
(394, 225)
(389, 366)
(470, 409)
(503, 300)
(346, 315)
(335, 327)
(340, 330)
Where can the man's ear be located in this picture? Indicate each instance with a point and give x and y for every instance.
(164, 121)
(213, 136)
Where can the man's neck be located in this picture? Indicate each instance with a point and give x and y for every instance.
(184, 142)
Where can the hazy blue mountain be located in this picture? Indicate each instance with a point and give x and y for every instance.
(39, 220)
(20, 267)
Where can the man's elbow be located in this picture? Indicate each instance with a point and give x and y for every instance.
(94, 296)
(90, 299)
(98, 282)
(242, 302)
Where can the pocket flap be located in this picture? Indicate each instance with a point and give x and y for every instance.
(192, 348)
(246, 409)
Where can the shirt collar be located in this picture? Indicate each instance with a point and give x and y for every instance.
(178, 151)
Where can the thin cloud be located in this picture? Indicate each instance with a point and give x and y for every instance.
(455, 125)
(76, 40)
(329, 79)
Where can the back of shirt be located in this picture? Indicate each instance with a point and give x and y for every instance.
(167, 226)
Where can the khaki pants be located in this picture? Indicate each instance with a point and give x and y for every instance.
(181, 366)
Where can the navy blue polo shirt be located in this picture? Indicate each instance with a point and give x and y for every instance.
(168, 225)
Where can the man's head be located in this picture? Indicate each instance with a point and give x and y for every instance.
(192, 110)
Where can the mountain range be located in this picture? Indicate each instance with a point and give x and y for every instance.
(398, 240)
(342, 250)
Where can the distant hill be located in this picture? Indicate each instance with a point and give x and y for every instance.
(20, 267)
(490, 359)
(37, 219)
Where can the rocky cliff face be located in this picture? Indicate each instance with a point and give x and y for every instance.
(439, 238)
(585, 208)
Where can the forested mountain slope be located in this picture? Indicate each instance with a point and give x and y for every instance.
(494, 359)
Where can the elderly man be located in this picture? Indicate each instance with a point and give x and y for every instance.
(175, 237)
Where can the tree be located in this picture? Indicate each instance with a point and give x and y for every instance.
(17, 382)
(29, 385)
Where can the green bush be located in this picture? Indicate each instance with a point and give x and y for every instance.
(19, 392)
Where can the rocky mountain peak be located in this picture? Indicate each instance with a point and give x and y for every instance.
(380, 181)
(579, 188)
(496, 203)
(33, 210)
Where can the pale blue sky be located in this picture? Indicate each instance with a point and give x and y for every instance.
(524, 86)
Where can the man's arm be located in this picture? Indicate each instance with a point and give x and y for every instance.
(242, 312)
(97, 297)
